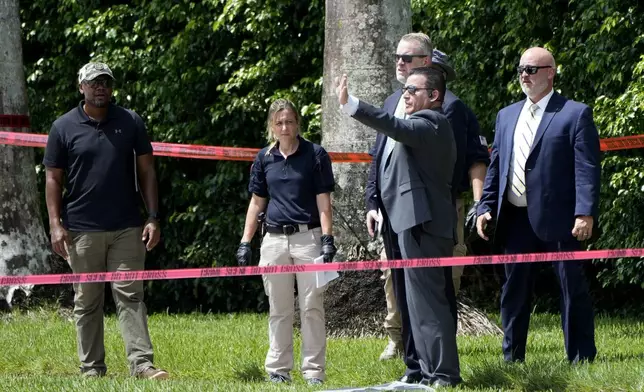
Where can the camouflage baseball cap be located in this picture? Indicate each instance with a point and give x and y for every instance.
(91, 70)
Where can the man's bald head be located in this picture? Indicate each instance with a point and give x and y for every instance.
(537, 71)
(538, 56)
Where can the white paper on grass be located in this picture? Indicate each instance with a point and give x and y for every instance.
(323, 277)
(392, 386)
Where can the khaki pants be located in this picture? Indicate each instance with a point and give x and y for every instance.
(460, 249)
(392, 320)
(393, 323)
(111, 251)
(299, 248)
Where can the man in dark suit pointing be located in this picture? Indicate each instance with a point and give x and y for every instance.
(416, 164)
(542, 189)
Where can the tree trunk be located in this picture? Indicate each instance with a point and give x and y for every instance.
(360, 39)
(23, 242)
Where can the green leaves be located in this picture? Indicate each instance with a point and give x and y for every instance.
(622, 199)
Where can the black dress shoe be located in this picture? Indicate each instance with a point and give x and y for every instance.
(414, 378)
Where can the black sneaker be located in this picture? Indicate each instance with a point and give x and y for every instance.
(278, 378)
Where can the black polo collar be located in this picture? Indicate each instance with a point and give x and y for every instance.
(276, 148)
(83, 118)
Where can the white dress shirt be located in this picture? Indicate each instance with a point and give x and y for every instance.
(521, 201)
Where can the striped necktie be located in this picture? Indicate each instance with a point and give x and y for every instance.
(524, 143)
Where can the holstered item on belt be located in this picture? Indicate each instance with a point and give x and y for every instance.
(261, 220)
(290, 229)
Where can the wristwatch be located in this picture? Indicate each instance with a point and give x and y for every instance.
(153, 215)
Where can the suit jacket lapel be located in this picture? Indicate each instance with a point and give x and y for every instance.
(391, 109)
(380, 145)
(554, 105)
(380, 138)
(509, 136)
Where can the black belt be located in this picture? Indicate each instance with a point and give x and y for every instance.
(290, 229)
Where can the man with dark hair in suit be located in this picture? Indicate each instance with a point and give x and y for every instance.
(416, 165)
(542, 191)
(413, 51)
(416, 50)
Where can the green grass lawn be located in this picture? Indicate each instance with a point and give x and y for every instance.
(226, 353)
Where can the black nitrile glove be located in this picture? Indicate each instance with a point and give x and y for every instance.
(328, 248)
(244, 254)
(470, 222)
(476, 245)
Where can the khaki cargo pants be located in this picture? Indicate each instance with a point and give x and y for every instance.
(299, 248)
(110, 251)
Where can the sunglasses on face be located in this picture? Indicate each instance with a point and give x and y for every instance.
(107, 83)
(531, 69)
(412, 89)
(407, 58)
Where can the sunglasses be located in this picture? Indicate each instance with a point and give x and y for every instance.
(412, 89)
(407, 58)
(531, 69)
(107, 83)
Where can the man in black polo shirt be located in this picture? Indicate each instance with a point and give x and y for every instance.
(100, 149)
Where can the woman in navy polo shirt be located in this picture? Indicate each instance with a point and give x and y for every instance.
(291, 180)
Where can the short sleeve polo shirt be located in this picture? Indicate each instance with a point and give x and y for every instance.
(99, 160)
(293, 183)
